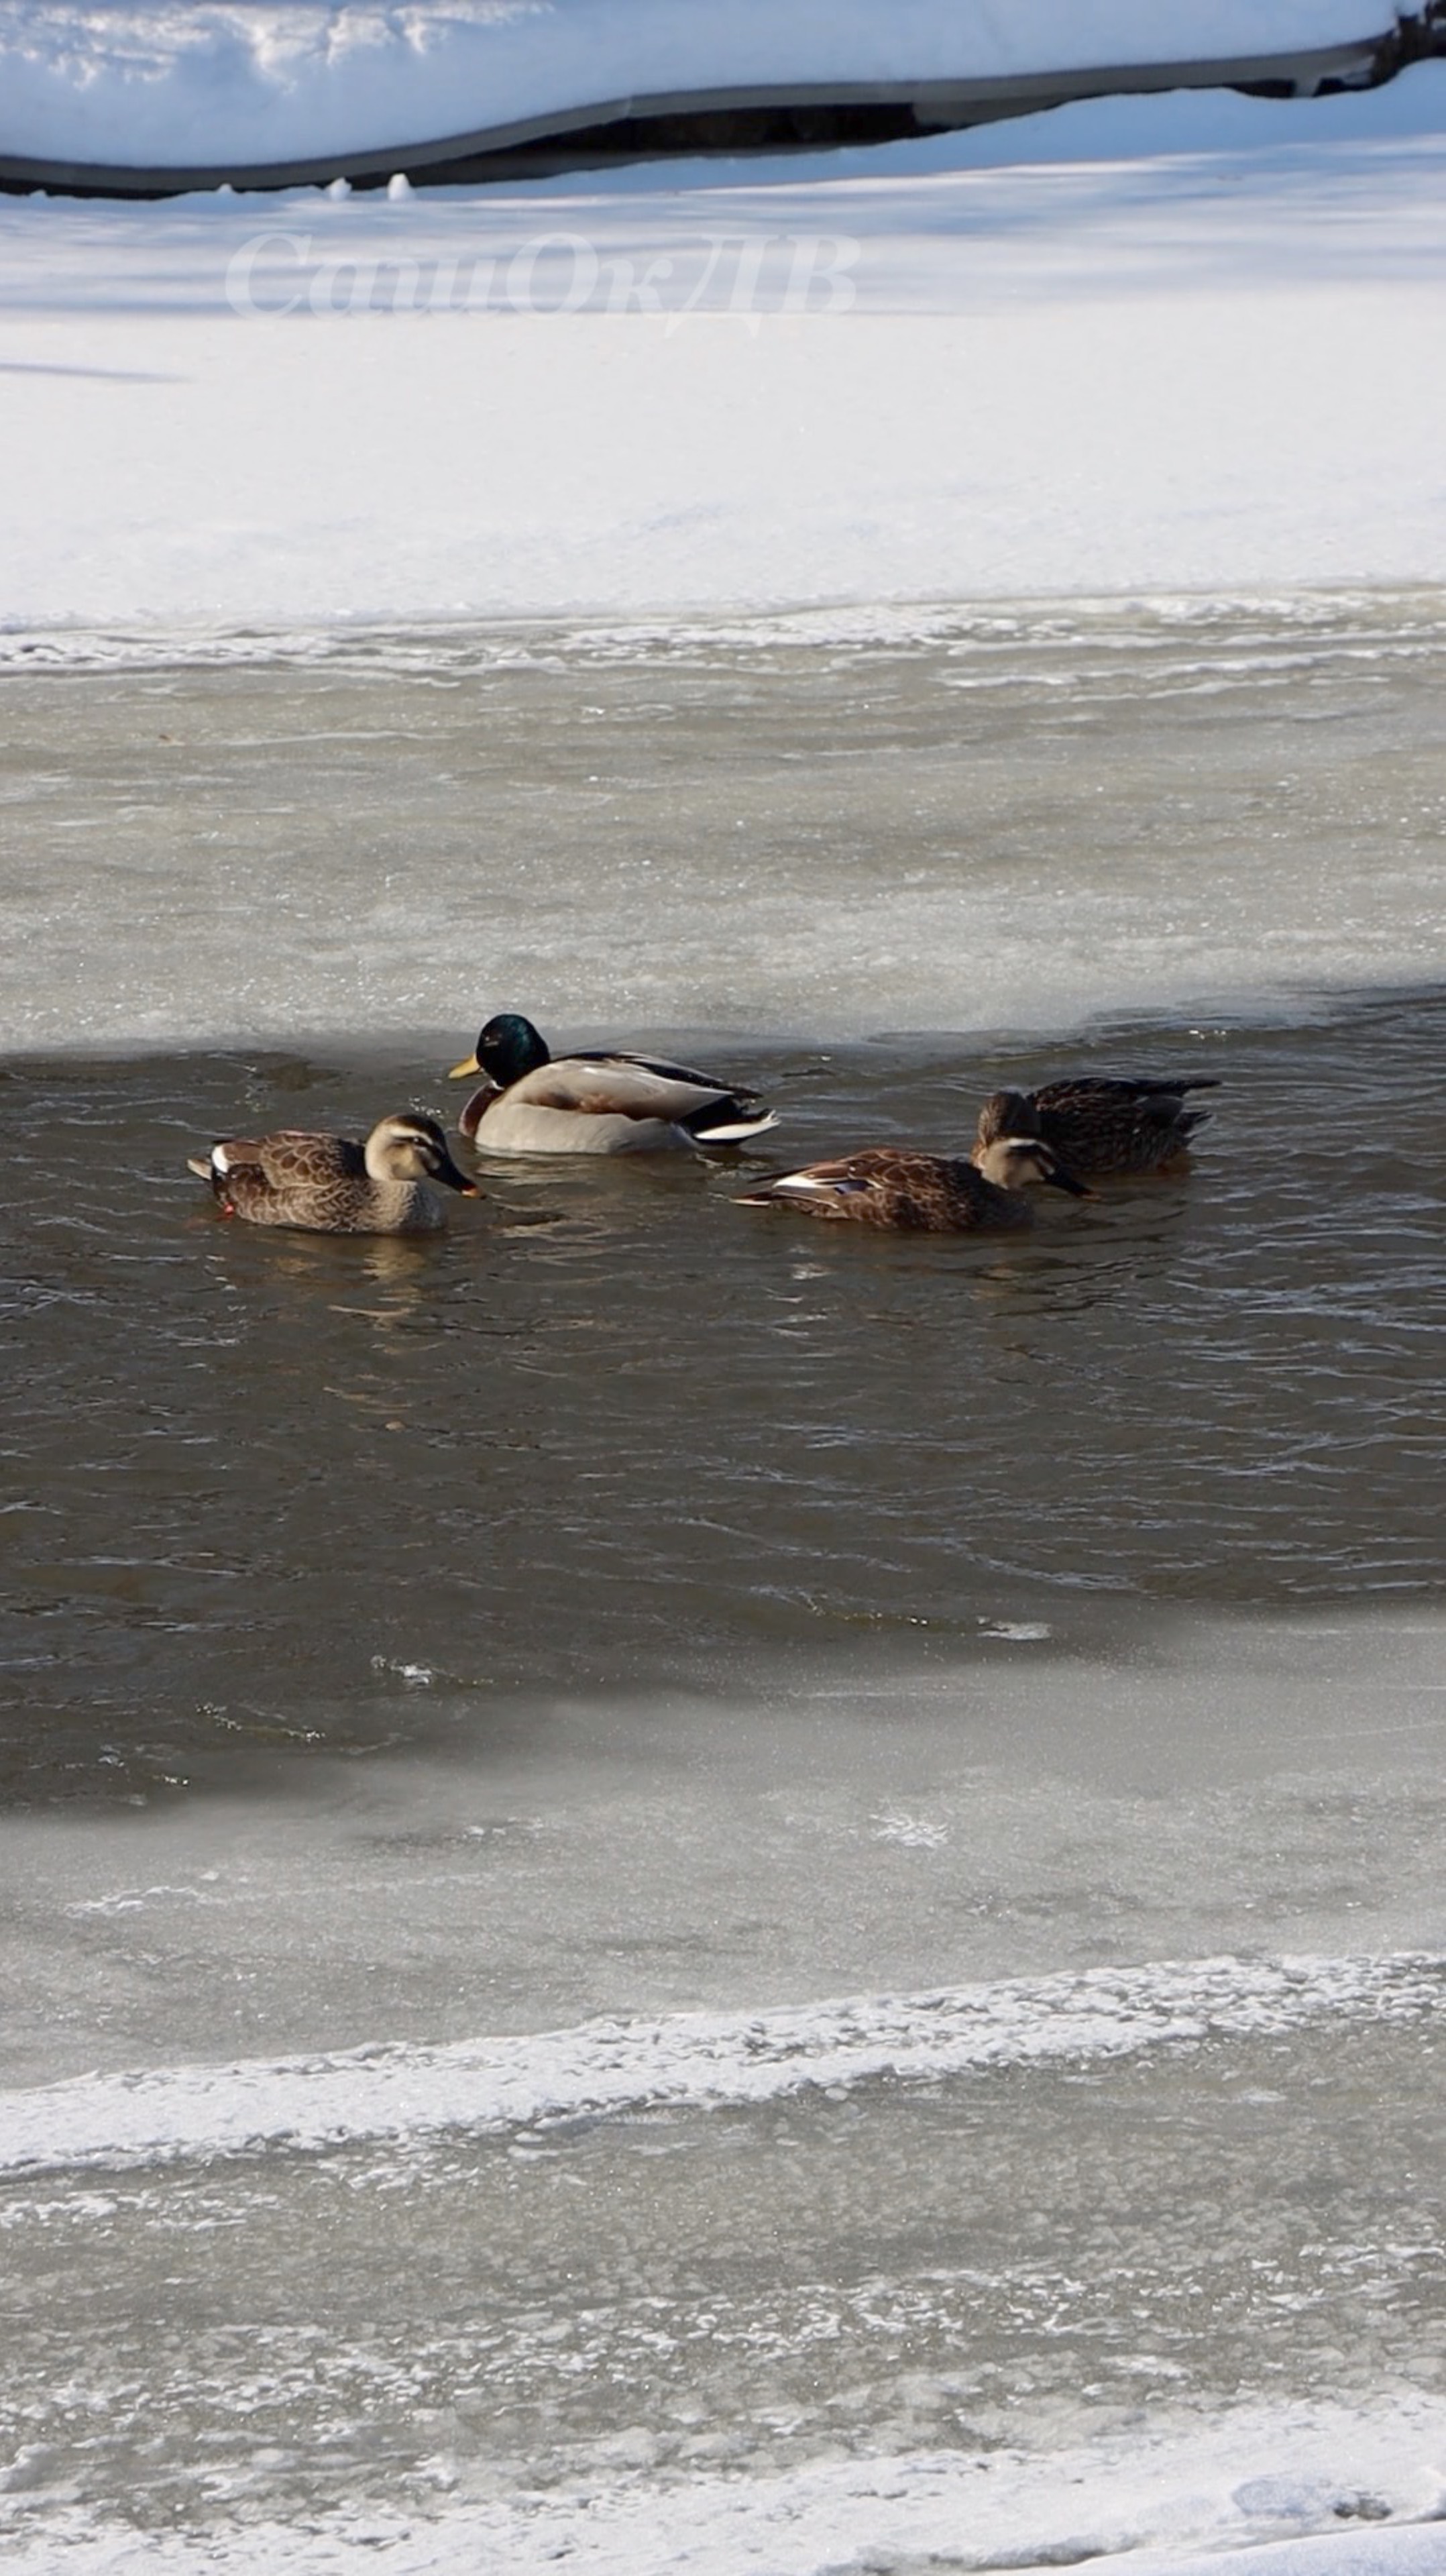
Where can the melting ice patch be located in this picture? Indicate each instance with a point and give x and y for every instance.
(135, 1900)
(698, 2060)
(1291, 2491)
(1182, 642)
(917, 1833)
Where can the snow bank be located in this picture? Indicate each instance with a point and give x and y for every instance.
(168, 85)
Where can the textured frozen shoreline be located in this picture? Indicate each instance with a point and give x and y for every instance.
(1298, 2491)
(698, 2060)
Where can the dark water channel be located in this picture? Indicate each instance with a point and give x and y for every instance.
(264, 1490)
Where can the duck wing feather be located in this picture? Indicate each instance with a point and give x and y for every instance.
(292, 1159)
(894, 1186)
(1113, 1091)
(623, 1086)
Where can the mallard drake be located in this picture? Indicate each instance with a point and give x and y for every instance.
(1099, 1124)
(594, 1102)
(890, 1185)
(328, 1185)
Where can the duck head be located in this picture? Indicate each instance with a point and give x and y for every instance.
(411, 1147)
(1022, 1162)
(1007, 1114)
(508, 1047)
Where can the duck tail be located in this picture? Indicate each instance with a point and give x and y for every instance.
(728, 1122)
(780, 1187)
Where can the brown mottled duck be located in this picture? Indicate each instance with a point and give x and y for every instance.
(911, 1192)
(1096, 1124)
(329, 1185)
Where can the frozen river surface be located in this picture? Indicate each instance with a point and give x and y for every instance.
(677, 1889)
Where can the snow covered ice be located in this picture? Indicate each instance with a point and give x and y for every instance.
(1212, 372)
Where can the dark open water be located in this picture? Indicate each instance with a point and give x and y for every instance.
(615, 1429)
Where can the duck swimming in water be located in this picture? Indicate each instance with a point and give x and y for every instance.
(594, 1102)
(329, 1185)
(1098, 1124)
(892, 1186)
